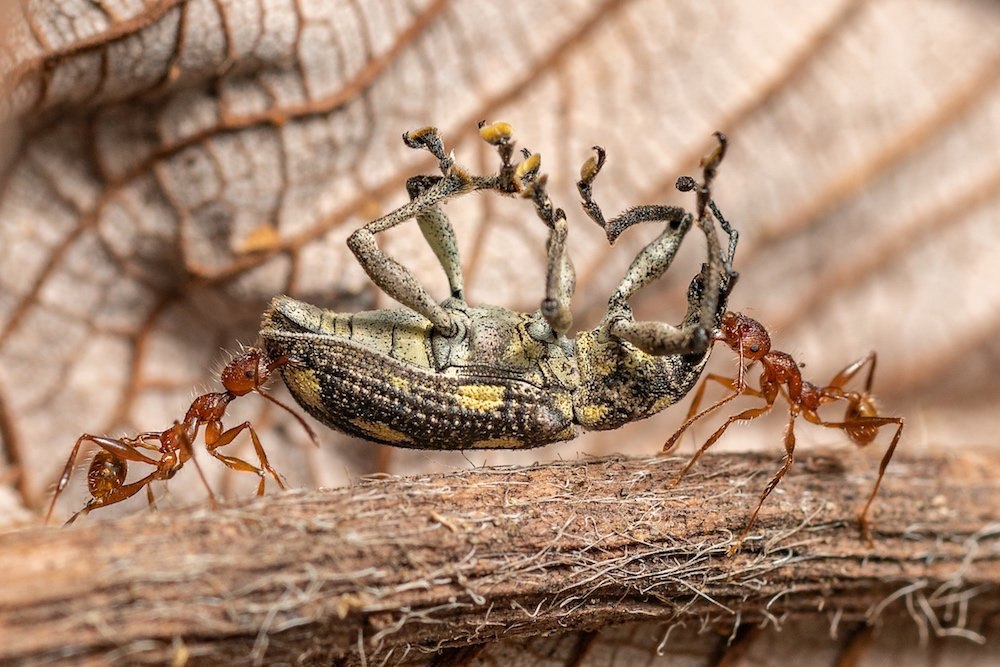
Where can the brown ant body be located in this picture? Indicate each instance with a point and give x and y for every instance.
(106, 475)
(781, 376)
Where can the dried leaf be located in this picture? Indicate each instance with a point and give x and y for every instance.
(168, 167)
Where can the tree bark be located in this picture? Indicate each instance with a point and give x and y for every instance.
(402, 567)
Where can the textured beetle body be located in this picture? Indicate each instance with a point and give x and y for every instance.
(447, 375)
(504, 381)
(386, 376)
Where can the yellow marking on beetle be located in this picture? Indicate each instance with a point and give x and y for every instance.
(480, 397)
(567, 433)
(304, 384)
(529, 165)
(496, 133)
(381, 431)
(593, 414)
(400, 383)
(411, 347)
(662, 404)
(564, 403)
(341, 326)
(498, 443)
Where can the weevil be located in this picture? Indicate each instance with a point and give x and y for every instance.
(450, 375)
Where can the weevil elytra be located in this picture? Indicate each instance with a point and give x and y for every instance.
(451, 375)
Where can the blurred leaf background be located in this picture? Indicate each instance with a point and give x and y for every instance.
(166, 167)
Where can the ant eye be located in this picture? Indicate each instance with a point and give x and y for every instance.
(755, 348)
(248, 374)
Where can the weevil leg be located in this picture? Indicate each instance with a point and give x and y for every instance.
(439, 234)
(659, 338)
(428, 139)
(588, 172)
(560, 277)
(427, 194)
(560, 280)
(395, 279)
(708, 290)
(499, 136)
(734, 238)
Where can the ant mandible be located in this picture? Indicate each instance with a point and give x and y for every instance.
(246, 373)
(781, 375)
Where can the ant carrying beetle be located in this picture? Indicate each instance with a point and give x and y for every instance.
(781, 375)
(246, 373)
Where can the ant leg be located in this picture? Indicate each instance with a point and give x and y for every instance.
(866, 530)
(145, 440)
(729, 383)
(114, 447)
(118, 495)
(852, 369)
(149, 498)
(239, 464)
(733, 384)
(874, 422)
(746, 415)
(736, 385)
(64, 477)
(185, 439)
(785, 465)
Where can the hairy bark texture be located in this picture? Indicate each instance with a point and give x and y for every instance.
(403, 567)
(168, 166)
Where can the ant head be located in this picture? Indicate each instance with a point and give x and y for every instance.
(744, 335)
(246, 373)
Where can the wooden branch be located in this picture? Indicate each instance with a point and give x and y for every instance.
(404, 566)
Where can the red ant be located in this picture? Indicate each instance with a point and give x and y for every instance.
(781, 375)
(247, 373)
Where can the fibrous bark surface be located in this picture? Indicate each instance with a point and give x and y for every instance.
(402, 568)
